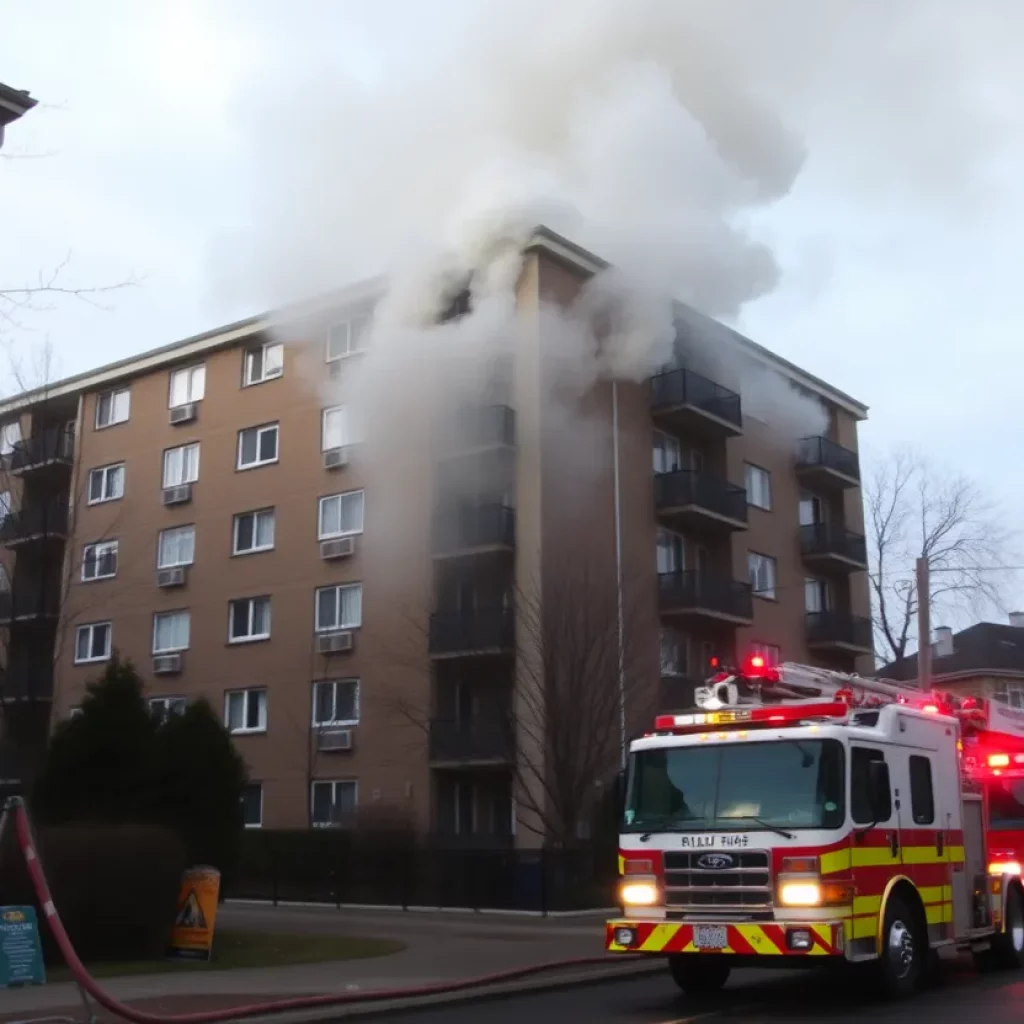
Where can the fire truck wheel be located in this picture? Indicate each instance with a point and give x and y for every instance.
(904, 949)
(1008, 947)
(699, 975)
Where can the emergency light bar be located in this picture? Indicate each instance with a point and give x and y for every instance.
(779, 714)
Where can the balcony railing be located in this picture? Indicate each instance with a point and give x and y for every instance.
(35, 521)
(485, 738)
(684, 488)
(839, 629)
(832, 540)
(680, 388)
(29, 603)
(822, 455)
(705, 593)
(483, 630)
(484, 426)
(466, 527)
(54, 446)
(29, 677)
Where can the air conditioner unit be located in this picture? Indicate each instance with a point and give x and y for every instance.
(173, 577)
(340, 547)
(334, 740)
(336, 458)
(177, 495)
(334, 643)
(184, 413)
(166, 664)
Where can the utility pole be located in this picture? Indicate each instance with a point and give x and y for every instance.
(924, 626)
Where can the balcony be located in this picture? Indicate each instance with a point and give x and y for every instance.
(479, 429)
(47, 522)
(29, 677)
(839, 631)
(832, 546)
(473, 529)
(825, 464)
(29, 604)
(483, 740)
(701, 595)
(693, 404)
(471, 633)
(695, 500)
(49, 449)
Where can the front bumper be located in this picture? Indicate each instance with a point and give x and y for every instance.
(775, 938)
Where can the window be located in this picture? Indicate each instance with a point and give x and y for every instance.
(171, 631)
(336, 702)
(337, 429)
(347, 337)
(860, 792)
(92, 643)
(163, 707)
(675, 653)
(1007, 693)
(254, 531)
(265, 362)
(816, 596)
(812, 509)
(175, 547)
(666, 453)
(99, 561)
(670, 552)
(181, 465)
(257, 446)
(245, 711)
(187, 385)
(106, 483)
(341, 515)
(339, 607)
(249, 620)
(5, 504)
(770, 652)
(113, 407)
(762, 571)
(252, 804)
(759, 487)
(10, 435)
(922, 797)
(334, 803)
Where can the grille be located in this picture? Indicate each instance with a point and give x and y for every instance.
(745, 885)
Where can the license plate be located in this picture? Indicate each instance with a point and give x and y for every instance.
(710, 936)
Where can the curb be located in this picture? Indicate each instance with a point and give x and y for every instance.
(394, 908)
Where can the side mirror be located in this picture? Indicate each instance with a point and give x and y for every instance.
(879, 792)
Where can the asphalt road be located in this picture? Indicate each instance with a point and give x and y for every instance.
(961, 996)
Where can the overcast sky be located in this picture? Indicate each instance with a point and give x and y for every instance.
(146, 157)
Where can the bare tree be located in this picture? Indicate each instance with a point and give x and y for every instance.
(915, 510)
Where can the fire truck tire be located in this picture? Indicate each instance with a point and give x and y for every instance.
(904, 954)
(699, 975)
(1007, 950)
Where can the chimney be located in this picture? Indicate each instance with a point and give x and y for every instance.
(1017, 619)
(944, 640)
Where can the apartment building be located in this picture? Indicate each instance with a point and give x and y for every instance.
(200, 510)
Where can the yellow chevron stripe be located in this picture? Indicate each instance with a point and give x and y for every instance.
(659, 938)
(837, 860)
(759, 941)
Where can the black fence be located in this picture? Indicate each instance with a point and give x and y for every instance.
(337, 867)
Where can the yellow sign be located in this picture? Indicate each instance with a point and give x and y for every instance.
(192, 936)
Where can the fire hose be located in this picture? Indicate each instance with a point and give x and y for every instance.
(88, 985)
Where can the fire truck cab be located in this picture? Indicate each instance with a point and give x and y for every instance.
(800, 817)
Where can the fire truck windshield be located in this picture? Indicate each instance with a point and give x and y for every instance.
(744, 786)
(1006, 804)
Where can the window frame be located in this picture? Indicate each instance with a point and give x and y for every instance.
(259, 430)
(106, 624)
(247, 692)
(918, 759)
(165, 705)
(347, 322)
(248, 638)
(157, 616)
(676, 545)
(113, 422)
(671, 636)
(106, 472)
(346, 441)
(868, 750)
(339, 496)
(7, 447)
(190, 370)
(338, 627)
(248, 381)
(95, 546)
(333, 783)
(256, 549)
(180, 448)
(752, 469)
(248, 785)
(334, 722)
(159, 543)
(763, 595)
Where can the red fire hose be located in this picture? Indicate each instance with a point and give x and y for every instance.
(89, 986)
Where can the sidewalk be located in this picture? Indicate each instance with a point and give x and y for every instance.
(440, 947)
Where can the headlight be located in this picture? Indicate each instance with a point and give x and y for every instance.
(800, 894)
(639, 894)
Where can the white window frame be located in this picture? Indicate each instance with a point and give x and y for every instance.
(248, 362)
(90, 628)
(173, 705)
(670, 544)
(185, 478)
(755, 562)
(255, 514)
(115, 395)
(339, 626)
(346, 433)
(333, 783)
(334, 721)
(10, 436)
(670, 638)
(250, 637)
(323, 534)
(160, 616)
(106, 473)
(258, 824)
(666, 453)
(365, 319)
(160, 563)
(98, 549)
(823, 595)
(756, 480)
(259, 693)
(815, 505)
(194, 392)
(263, 428)
(6, 504)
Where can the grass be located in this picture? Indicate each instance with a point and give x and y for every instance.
(236, 948)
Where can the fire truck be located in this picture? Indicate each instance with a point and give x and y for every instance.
(801, 817)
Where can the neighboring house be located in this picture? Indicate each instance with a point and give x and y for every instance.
(14, 103)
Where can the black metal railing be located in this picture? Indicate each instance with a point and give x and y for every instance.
(43, 520)
(684, 487)
(484, 738)
(27, 678)
(693, 589)
(474, 526)
(839, 628)
(29, 603)
(684, 387)
(823, 453)
(481, 426)
(53, 445)
(833, 539)
(476, 630)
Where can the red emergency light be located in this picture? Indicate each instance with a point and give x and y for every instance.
(758, 717)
